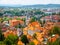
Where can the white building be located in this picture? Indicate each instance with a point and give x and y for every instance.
(19, 32)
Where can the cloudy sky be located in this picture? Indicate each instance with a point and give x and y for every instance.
(29, 2)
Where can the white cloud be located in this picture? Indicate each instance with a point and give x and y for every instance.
(28, 2)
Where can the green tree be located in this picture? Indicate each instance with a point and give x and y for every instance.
(11, 39)
(18, 18)
(57, 42)
(56, 30)
(24, 39)
(19, 26)
(33, 19)
(38, 12)
(58, 13)
(53, 13)
(1, 35)
(34, 35)
(24, 19)
(22, 11)
(1, 14)
(42, 22)
(1, 20)
(8, 42)
(31, 43)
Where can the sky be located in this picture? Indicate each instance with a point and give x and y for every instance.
(28, 2)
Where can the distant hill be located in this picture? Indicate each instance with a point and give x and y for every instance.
(43, 6)
(33, 6)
